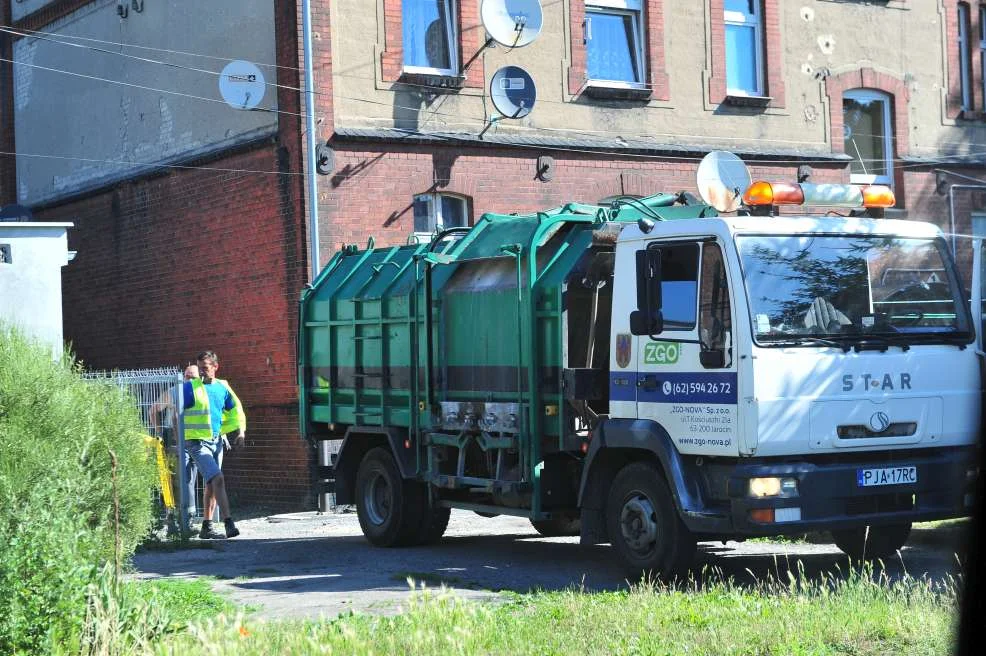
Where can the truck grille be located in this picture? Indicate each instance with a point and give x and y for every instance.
(879, 503)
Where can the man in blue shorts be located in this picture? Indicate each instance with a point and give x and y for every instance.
(212, 410)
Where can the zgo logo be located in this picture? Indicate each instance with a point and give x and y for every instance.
(661, 352)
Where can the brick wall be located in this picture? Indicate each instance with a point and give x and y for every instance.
(371, 192)
(210, 256)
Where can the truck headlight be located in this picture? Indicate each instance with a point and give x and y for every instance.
(773, 486)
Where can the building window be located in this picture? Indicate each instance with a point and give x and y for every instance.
(965, 56)
(744, 47)
(868, 134)
(982, 51)
(429, 37)
(614, 46)
(436, 212)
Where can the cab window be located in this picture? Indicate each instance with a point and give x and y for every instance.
(679, 285)
(715, 324)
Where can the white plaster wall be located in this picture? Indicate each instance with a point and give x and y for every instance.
(31, 283)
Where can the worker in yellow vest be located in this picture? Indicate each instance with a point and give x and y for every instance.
(211, 411)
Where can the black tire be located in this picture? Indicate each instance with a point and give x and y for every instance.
(644, 528)
(432, 519)
(562, 525)
(388, 514)
(433, 525)
(872, 542)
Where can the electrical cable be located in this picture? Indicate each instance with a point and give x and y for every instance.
(45, 36)
(149, 164)
(142, 87)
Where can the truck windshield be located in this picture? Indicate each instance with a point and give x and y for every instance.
(820, 289)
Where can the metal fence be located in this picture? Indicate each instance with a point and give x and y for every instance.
(156, 393)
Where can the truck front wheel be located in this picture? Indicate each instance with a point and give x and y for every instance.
(872, 542)
(388, 515)
(643, 527)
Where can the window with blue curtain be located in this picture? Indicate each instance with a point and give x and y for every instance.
(613, 42)
(429, 35)
(744, 47)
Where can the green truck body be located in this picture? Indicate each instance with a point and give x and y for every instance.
(523, 366)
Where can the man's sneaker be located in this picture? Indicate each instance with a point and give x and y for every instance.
(231, 530)
(208, 534)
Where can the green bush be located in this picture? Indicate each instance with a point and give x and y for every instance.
(58, 495)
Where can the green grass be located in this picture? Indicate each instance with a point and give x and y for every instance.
(427, 578)
(864, 614)
(76, 481)
(182, 600)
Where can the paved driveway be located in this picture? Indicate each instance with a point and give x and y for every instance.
(311, 565)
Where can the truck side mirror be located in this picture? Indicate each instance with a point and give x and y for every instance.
(648, 319)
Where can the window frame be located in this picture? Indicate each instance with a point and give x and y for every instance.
(435, 217)
(870, 95)
(982, 53)
(964, 41)
(696, 245)
(723, 311)
(758, 54)
(634, 9)
(452, 42)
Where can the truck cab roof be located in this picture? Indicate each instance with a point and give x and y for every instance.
(728, 227)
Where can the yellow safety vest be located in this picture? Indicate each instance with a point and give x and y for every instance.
(234, 419)
(196, 421)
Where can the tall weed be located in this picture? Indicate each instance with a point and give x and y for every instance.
(59, 497)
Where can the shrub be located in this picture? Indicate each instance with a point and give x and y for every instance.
(58, 494)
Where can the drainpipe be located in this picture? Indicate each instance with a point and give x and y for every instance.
(306, 19)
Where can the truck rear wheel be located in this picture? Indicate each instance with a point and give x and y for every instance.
(872, 542)
(643, 526)
(432, 519)
(388, 515)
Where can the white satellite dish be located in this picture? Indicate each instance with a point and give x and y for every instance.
(513, 23)
(722, 178)
(242, 85)
(513, 92)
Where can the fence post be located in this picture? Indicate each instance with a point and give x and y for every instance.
(182, 469)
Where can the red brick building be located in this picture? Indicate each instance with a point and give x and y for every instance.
(210, 250)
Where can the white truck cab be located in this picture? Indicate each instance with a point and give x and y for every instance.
(811, 372)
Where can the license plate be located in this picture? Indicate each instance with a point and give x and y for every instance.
(886, 476)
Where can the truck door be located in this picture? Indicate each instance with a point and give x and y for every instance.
(686, 378)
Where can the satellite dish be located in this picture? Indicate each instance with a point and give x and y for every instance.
(242, 85)
(722, 178)
(513, 23)
(15, 212)
(513, 92)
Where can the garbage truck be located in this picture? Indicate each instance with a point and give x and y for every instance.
(651, 373)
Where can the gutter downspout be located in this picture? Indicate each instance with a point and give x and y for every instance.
(306, 19)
